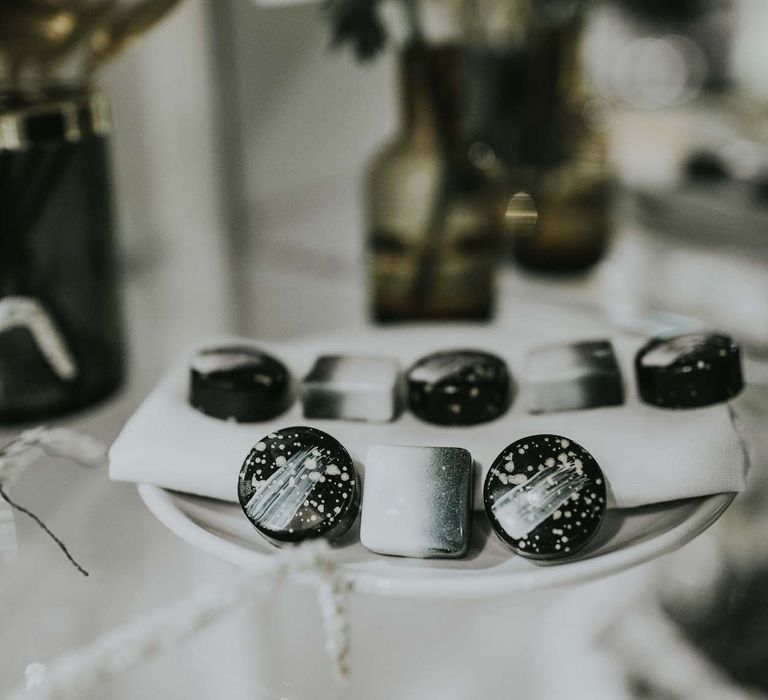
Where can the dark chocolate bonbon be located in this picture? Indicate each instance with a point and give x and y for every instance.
(239, 383)
(299, 483)
(545, 496)
(459, 387)
(689, 371)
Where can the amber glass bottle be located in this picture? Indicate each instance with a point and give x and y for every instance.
(560, 221)
(435, 214)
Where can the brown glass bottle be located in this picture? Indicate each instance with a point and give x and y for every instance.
(560, 221)
(435, 216)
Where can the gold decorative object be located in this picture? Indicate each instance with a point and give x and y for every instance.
(122, 28)
(37, 37)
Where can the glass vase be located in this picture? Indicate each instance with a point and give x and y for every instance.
(435, 212)
(61, 345)
(549, 131)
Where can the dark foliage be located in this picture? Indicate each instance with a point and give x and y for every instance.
(357, 23)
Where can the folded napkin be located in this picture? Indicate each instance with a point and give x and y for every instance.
(649, 455)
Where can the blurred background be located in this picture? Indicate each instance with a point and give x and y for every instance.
(243, 143)
(284, 168)
(622, 142)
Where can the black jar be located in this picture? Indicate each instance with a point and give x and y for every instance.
(61, 345)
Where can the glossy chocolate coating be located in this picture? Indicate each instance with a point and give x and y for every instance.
(239, 383)
(689, 371)
(566, 518)
(299, 483)
(460, 387)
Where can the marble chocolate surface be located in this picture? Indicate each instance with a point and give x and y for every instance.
(545, 496)
(299, 483)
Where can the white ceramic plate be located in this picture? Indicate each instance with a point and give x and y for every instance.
(628, 537)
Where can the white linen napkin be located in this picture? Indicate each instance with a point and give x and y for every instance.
(649, 455)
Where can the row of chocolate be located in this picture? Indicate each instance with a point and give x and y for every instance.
(466, 387)
(544, 495)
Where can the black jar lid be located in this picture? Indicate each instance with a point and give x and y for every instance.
(58, 114)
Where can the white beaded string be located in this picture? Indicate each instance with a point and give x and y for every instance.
(129, 645)
(19, 454)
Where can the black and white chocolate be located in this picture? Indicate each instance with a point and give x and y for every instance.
(352, 388)
(239, 383)
(417, 501)
(545, 496)
(575, 376)
(459, 387)
(689, 371)
(299, 483)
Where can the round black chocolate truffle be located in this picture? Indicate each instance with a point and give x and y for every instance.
(299, 483)
(239, 383)
(689, 371)
(545, 497)
(459, 387)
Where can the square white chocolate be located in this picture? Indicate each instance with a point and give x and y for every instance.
(352, 388)
(417, 501)
(572, 377)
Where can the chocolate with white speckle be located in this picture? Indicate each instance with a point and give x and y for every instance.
(299, 483)
(459, 387)
(545, 496)
(689, 371)
(239, 383)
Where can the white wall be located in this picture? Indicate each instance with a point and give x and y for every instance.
(167, 172)
(305, 121)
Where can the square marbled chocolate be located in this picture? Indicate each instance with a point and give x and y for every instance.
(570, 377)
(417, 501)
(352, 388)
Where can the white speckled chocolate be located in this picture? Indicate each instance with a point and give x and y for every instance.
(299, 483)
(459, 387)
(570, 377)
(239, 383)
(689, 371)
(545, 496)
(417, 501)
(352, 388)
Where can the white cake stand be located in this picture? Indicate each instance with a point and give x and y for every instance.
(439, 630)
(429, 629)
(628, 537)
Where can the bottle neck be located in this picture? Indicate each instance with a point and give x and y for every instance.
(432, 94)
(551, 88)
